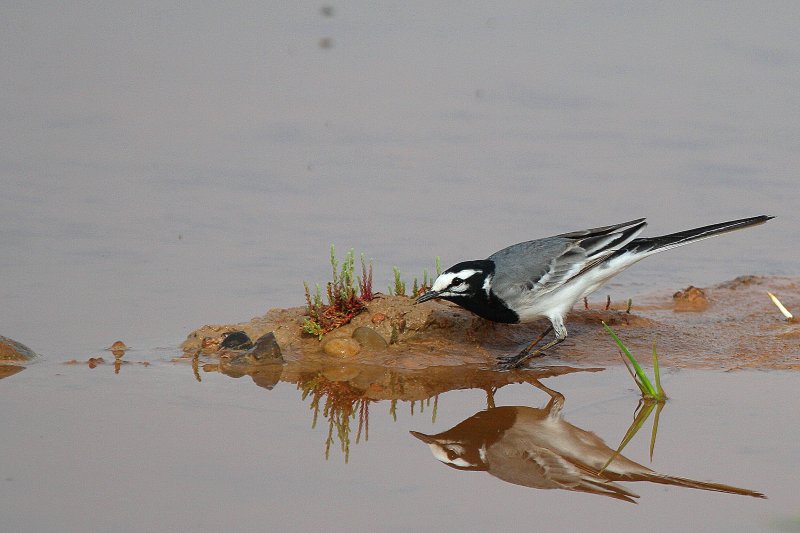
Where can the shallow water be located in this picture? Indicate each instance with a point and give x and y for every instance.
(153, 448)
(163, 167)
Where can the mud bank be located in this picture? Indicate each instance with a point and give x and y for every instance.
(728, 326)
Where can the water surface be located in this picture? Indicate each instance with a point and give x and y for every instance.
(166, 166)
(153, 448)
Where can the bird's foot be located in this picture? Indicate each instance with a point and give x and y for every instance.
(511, 362)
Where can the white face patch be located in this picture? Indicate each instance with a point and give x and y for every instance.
(440, 453)
(487, 284)
(444, 283)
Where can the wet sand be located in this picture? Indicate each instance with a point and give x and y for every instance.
(732, 325)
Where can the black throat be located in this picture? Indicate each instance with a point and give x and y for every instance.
(487, 306)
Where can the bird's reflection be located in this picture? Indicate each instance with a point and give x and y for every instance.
(537, 448)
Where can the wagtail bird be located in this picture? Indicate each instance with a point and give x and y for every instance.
(545, 277)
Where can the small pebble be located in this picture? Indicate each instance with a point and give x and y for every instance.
(342, 347)
(369, 339)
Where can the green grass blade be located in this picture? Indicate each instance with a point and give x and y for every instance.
(659, 389)
(643, 380)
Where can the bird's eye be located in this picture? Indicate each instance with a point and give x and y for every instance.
(451, 455)
(457, 281)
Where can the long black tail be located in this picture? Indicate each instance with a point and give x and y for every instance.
(666, 242)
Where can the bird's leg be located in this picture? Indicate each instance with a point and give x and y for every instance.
(516, 361)
(490, 391)
(537, 340)
(556, 403)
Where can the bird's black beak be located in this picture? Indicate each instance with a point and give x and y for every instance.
(427, 439)
(430, 295)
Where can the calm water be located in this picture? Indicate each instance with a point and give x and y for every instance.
(165, 166)
(151, 448)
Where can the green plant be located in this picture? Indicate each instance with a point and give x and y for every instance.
(653, 396)
(365, 281)
(642, 381)
(417, 288)
(399, 284)
(313, 328)
(343, 302)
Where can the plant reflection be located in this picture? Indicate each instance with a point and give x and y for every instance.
(643, 411)
(342, 393)
(342, 403)
(537, 448)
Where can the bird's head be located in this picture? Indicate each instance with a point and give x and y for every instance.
(453, 453)
(461, 282)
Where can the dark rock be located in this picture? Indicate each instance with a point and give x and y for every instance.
(264, 352)
(236, 340)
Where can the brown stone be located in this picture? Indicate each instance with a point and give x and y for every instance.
(341, 347)
(369, 339)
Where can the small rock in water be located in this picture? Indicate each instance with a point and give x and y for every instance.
(369, 338)
(236, 340)
(11, 350)
(341, 347)
(117, 349)
(266, 348)
(265, 351)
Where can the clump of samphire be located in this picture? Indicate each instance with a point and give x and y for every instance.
(343, 302)
(348, 294)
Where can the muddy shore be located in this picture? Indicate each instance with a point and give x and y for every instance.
(728, 326)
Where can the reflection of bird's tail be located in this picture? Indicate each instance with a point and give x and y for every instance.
(703, 485)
